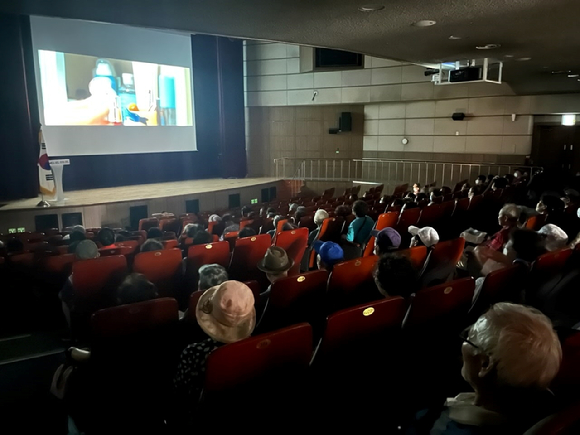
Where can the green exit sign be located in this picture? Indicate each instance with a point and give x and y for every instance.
(254, 201)
(21, 229)
(11, 230)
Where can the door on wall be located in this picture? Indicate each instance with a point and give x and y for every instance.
(556, 147)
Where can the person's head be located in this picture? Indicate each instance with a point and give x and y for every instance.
(246, 210)
(510, 348)
(154, 233)
(319, 216)
(508, 215)
(14, 245)
(299, 214)
(550, 204)
(426, 236)
(106, 237)
(387, 239)
(275, 263)
(499, 183)
(228, 219)
(422, 196)
(246, 232)
(518, 174)
(555, 236)
(490, 177)
(211, 275)
(360, 208)
(271, 210)
(214, 218)
(78, 229)
(293, 207)
(394, 275)
(465, 187)
(416, 188)
(136, 288)
(226, 312)
(151, 245)
(435, 193)
(474, 191)
(77, 236)
(202, 237)
(329, 253)
(480, 180)
(343, 210)
(509, 178)
(263, 211)
(190, 230)
(526, 245)
(445, 190)
(86, 250)
(289, 226)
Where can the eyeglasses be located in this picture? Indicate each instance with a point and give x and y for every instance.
(464, 337)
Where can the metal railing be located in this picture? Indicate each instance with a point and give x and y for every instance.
(391, 173)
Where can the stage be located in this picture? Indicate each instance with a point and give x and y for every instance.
(111, 206)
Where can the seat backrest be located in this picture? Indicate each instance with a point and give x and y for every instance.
(280, 224)
(352, 283)
(134, 318)
(96, 277)
(118, 250)
(563, 422)
(462, 205)
(296, 299)
(231, 238)
(430, 215)
(408, 217)
(170, 244)
(57, 267)
(247, 253)
(383, 221)
(442, 260)
(266, 359)
(448, 302)
(356, 326)
(550, 263)
(294, 243)
(163, 268)
(145, 224)
(416, 255)
(129, 244)
(173, 225)
(210, 253)
(331, 229)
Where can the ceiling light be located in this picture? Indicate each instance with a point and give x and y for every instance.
(454, 38)
(523, 59)
(488, 46)
(509, 56)
(569, 120)
(573, 76)
(371, 8)
(561, 72)
(424, 23)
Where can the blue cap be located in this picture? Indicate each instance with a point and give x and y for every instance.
(330, 252)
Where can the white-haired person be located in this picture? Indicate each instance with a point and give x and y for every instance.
(508, 220)
(555, 236)
(510, 357)
(319, 217)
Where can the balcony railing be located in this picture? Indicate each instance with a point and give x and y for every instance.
(389, 172)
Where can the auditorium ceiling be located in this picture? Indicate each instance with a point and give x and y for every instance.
(539, 39)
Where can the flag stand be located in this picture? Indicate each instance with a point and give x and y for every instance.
(43, 203)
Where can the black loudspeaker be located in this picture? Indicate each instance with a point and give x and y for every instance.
(71, 219)
(234, 200)
(458, 116)
(136, 213)
(45, 222)
(265, 194)
(345, 121)
(273, 193)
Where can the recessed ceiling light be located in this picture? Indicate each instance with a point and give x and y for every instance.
(371, 8)
(573, 76)
(523, 59)
(488, 46)
(454, 38)
(425, 23)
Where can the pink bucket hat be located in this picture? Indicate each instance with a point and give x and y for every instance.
(226, 312)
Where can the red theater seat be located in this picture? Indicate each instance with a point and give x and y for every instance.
(163, 268)
(440, 264)
(352, 283)
(383, 221)
(247, 253)
(416, 255)
(95, 281)
(170, 244)
(294, 243)
(217, 252)
(145, 224)
(57, 268)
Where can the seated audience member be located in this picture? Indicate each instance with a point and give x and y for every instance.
(151, 245)
(360, 228)
(189, 231)
(509, 178)
(226, 314)
(417, 188)
(421, 197)
(275, 264)
(386, 240)
(394, 275)
(508, 219)
(246, 232)
(136, 288)
(202, 237)
(106, 237)
(410, 196)
(554, 209)
(481, 181)
(556, 238)
(445, 190)
(292, 208)
(409, 204)
(214, 218)
(343, 211)
(271, 210)
(474, 191)
(211, 275)
(499, 183)
(510, 357)
(75, 238)
(329, 254)
(246, 210)
(154, 233)
(272, 233)
(15, 245)
(300, 213)
(426, 236)
(229, 225)
(76, 229)
(319, 217)
(435, 193)
(86, 250)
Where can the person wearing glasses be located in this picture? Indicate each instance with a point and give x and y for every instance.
(510, 357)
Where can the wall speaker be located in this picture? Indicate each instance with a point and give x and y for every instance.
(458, 116)
(345, 121)
(136, 213)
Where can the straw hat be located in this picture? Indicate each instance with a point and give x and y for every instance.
(275, 261)
(226, 312)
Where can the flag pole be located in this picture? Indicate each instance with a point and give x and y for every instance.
(42, 202)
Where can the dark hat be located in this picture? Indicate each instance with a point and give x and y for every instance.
(387, 238)
(275, 261)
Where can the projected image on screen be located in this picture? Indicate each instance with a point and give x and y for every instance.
(87, 90)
